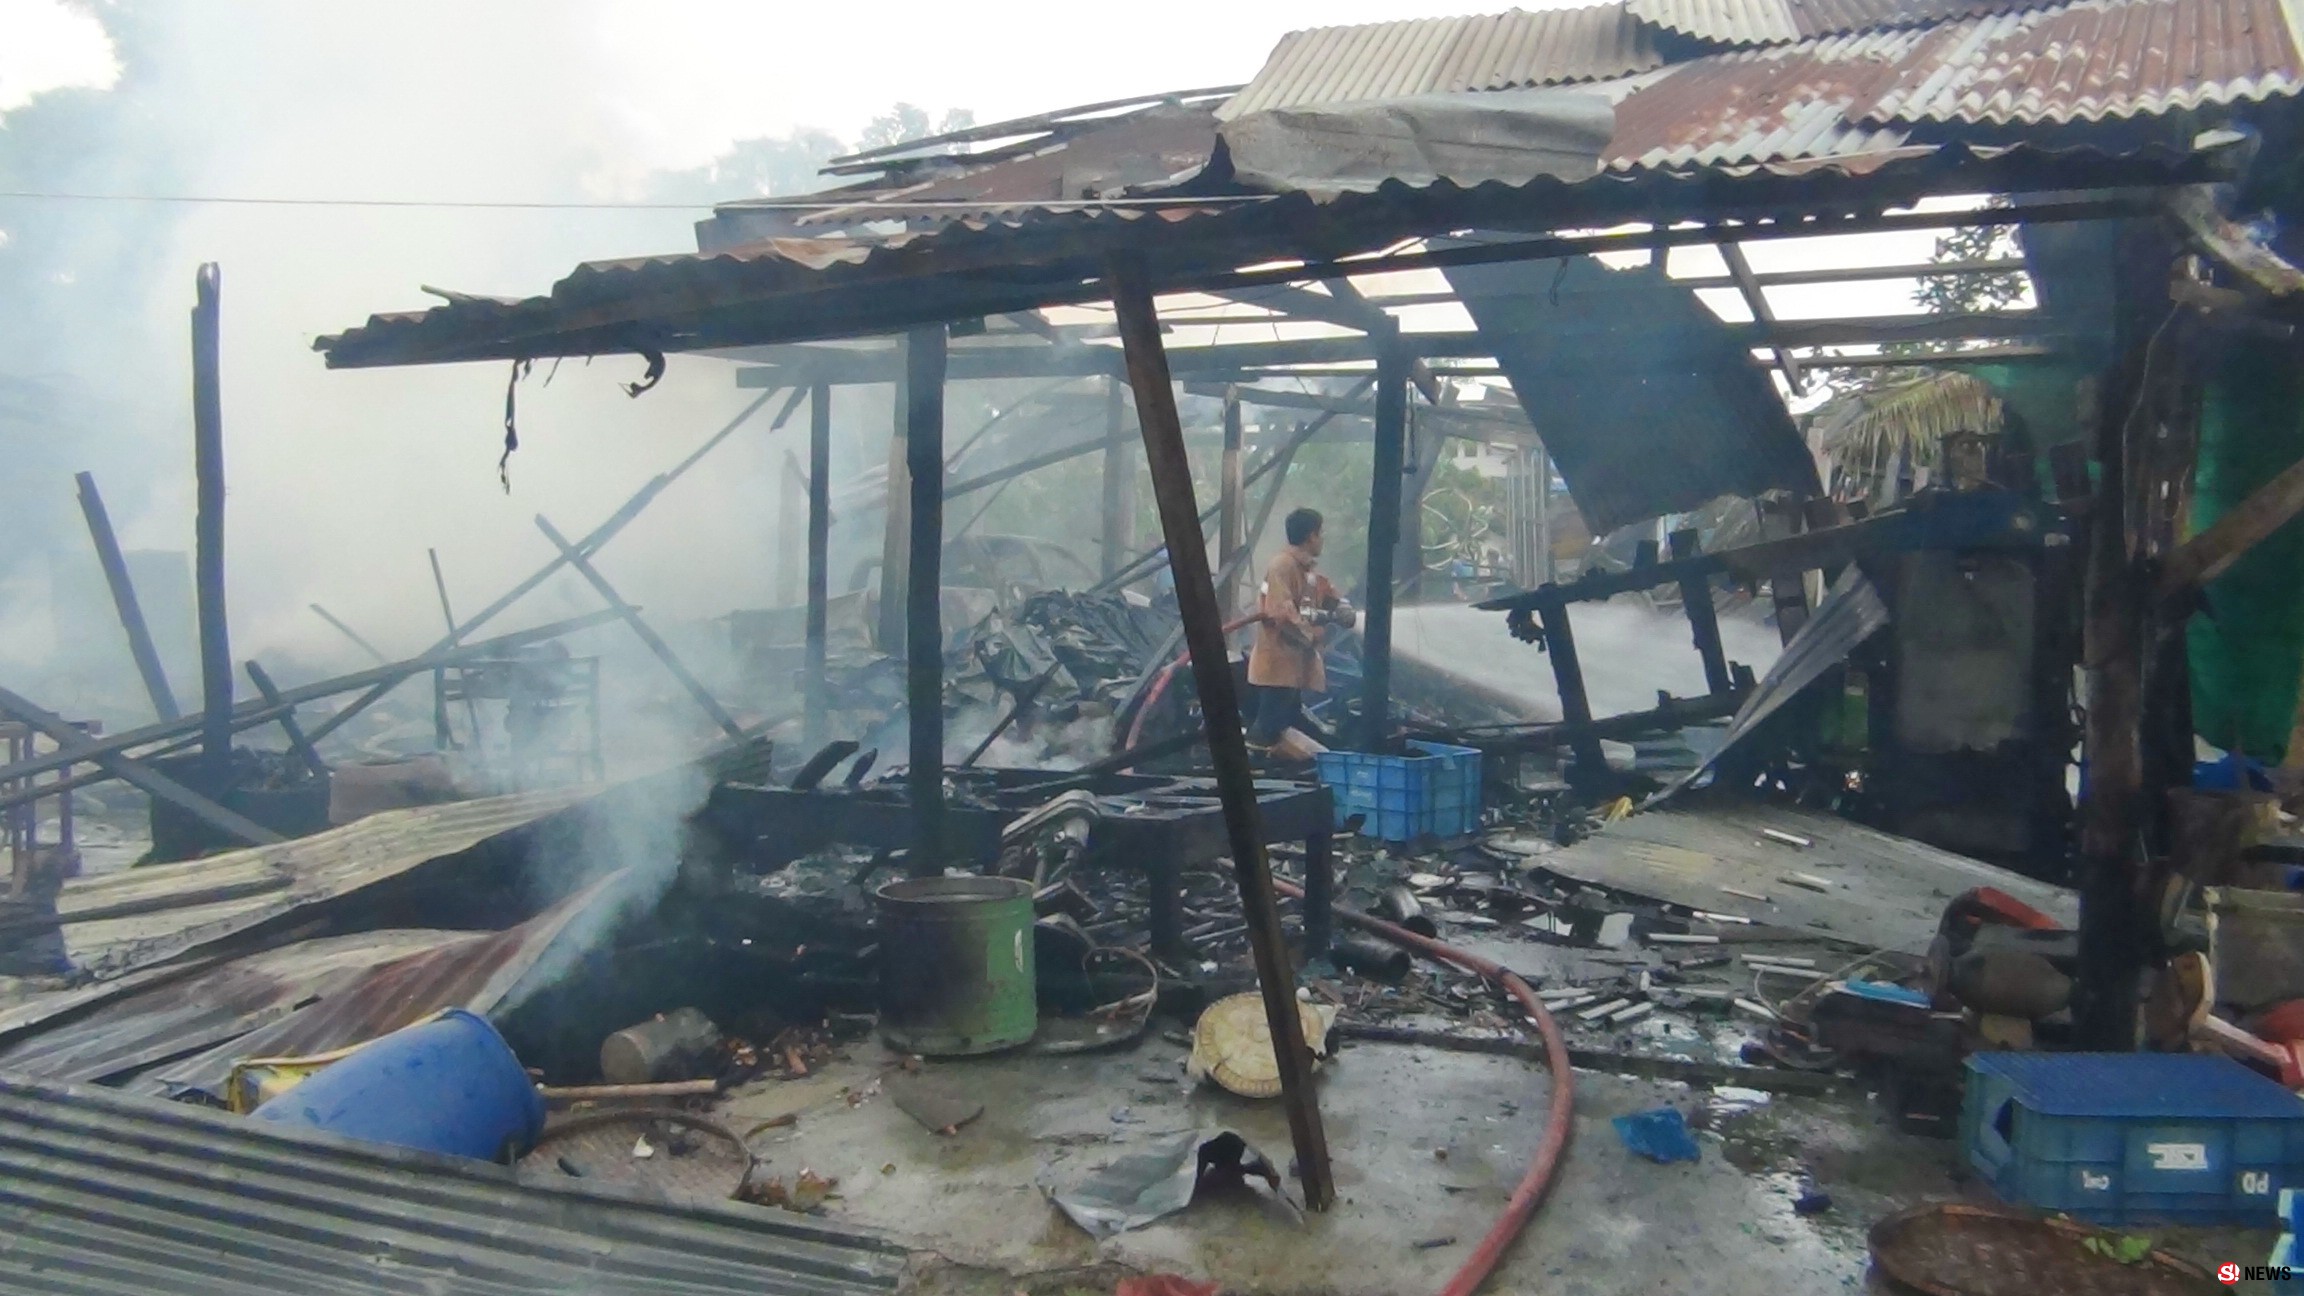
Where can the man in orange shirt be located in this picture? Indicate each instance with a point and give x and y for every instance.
(1297, 606)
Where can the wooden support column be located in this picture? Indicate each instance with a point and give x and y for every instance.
(694, 687)
(1119, 483)
(1568, 676)
(124, 599)
(1231, 505)
(1383, 537)
(819, 558)
(1220, 711)
(208, 533)
(896, 535)
(1703, 619)
(925, 358)
(2118, 922)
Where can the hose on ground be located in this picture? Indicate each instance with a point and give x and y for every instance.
(1558, 1122)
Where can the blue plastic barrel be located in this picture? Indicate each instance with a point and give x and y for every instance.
(446, 1084)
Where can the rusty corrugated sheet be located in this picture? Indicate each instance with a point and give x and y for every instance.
(1447, 55)
(483, 973)
(114, 922)
(104, 1193)
(178, 1017)
(1763, 107)
(2099, 59)
(1775, 22)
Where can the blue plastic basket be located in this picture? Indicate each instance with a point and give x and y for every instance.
(1435, 793)
(2122, 1138)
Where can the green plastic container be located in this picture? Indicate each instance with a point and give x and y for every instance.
(956, 965)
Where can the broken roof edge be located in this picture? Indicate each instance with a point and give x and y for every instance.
(692, 302)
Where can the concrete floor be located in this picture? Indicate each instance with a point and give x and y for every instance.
(1427, 1146)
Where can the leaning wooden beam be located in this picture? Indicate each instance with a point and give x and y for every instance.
(2211, 553)
(297, 742)
(590, 544)
(351, 634)
(124, 599)
(1220, 710)
(74, 746)
(1756, 299)
(922, 416)
(640, 627)
(250, 714)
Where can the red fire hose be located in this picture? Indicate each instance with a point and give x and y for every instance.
(1557, 1122)
(1160, 683)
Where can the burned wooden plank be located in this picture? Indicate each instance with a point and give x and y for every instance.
(1703, 618)
(640, 627)
(73, 746)
(1220, 711)
(184, 732)
(297, 742)
(124, 599)
(1384, 483)
(348, 632)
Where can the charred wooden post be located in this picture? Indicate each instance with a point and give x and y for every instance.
(1220, 712)
(2117, 919)
(1119, 483)
(646, 633)
(819, 556)
(124, 599)
(923, 413)
(1384, 482)
(1568, 675)
(1703, 619)
(208, 532)
(791, 533)
(1231, 503)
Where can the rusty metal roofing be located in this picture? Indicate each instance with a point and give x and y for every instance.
(1446, 55)
(485, 973)
(117, 921)
(2098, 59)
(166, 1021)
(1775, 22)
(104, 1193)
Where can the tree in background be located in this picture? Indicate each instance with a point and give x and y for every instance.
(777, 166)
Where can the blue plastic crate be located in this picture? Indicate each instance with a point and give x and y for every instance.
(1435, 793)
(2123, 1138)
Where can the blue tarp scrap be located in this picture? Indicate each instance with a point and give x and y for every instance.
(1660, 1135)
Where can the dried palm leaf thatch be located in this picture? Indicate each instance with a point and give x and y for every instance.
(1905, 419)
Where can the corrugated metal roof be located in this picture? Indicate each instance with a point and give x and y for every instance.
(117, 921)
(1774, 22)
(483, 973)
(1446, 55)
(2098, 59)
(110, 1194)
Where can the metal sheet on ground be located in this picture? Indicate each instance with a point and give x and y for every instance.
(1885, 891)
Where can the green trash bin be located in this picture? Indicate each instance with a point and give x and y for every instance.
(956, 965)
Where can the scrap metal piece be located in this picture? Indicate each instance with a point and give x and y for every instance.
(1232, 1044)
(1146, 1186)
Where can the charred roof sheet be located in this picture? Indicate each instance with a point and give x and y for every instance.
(1446, 55)
(1686, 414)
(103, 1192)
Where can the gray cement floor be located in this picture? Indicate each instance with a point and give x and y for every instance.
(1427, 1145)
